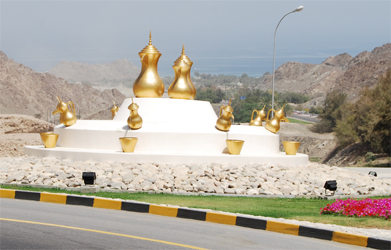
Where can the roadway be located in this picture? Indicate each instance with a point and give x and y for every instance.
(39, 225)
(306, 118)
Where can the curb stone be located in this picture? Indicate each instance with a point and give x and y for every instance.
(194, 214)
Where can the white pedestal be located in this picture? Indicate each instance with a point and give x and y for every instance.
(173, 131)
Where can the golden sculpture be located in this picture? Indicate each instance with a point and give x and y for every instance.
(180, 88)
(134, 121)
(128, 144)
(148, 83)
(260, 117)
(291, 147)
(234, 146)
(67, 117)
(273, 125)
(224, 121)
(114, 111)
(49, 139)
(180, 76)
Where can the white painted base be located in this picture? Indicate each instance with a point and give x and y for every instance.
(162, 158)
(173, 131)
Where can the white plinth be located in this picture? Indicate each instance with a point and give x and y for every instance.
(173, 131)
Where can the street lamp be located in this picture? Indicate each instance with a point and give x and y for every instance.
(300, 8)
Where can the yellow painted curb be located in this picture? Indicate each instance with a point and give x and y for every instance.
(221, 218)
(163, 210)
(7, 193)
(282, 227)
(54, 198)
(109, 204)
(350, 239)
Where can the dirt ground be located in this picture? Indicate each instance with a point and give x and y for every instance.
(12, 145)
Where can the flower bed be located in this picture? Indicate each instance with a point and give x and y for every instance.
(360, 208)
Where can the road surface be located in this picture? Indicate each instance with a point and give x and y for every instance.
(39, 225)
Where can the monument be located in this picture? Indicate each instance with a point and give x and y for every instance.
(174, 130)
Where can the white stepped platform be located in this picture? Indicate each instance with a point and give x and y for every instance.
(173, 131)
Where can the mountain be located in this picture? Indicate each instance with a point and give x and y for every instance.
(79, 72)
(24, 91)
(342, 72)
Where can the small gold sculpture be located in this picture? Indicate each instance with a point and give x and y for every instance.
(180, 88)
(67, 117)
(291, 147)
(273, 125)
(149, 83)
(114, 111)
(260, 117)
(128, 144)
(182, 78)
(234, 146)
(49, 139)
(134, 121)
(224, 121)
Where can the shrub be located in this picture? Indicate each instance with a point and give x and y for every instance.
(370, 157)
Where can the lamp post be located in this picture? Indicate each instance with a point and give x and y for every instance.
(300, 8)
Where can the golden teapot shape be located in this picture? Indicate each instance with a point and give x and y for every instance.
(182, 77)
(224, 121)
(114, 111)
(273, 125)
(180, 88)
(134, 121)
(260, 117)
(149, 83)
(67, 112)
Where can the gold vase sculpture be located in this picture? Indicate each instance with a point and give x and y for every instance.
(273, 125)
(67, 112)
(114, 111)
(259, 118)
(224, 123)
(182, 87)
(149, 83)
(134, 121)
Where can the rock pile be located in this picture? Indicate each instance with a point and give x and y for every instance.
(184, 179)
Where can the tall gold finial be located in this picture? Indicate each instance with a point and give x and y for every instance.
(150, 37)
(183, 49)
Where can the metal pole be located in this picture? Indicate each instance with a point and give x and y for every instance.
(274, 51)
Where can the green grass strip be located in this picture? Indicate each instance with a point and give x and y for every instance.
(289, 208)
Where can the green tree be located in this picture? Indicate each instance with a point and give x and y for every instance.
(331, 112)
(369, 119)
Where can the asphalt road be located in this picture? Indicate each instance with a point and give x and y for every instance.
(306, 118)
(38, 225)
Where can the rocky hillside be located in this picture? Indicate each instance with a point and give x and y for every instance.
(342, 72)
(77, 72)
(24, 91)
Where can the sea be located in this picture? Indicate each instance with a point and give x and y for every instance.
(253, 67)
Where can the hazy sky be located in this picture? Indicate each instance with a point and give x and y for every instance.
(240, 34)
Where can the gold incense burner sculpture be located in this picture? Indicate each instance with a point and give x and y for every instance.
(114, 111)
(259, 118)
(291, 147)
(224, 121)
(234, 146)
(149, 83)
(134, 121)
(273, 125)
(182, 87)
(49, 139)
(128, 144)
(67, 112)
